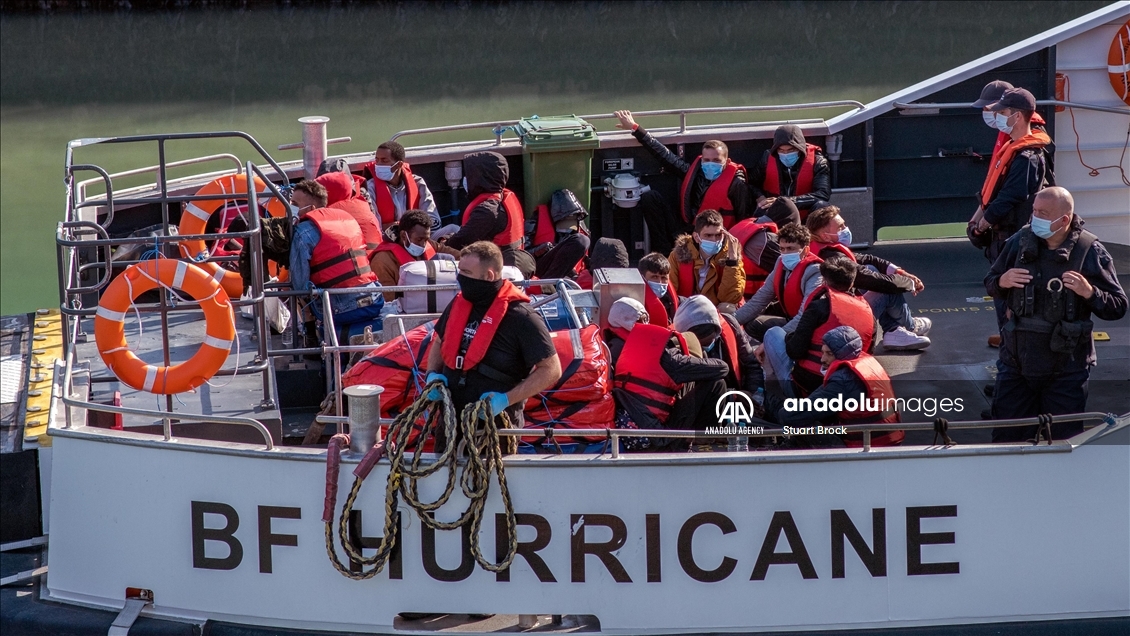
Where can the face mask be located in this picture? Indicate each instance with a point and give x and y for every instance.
(384, 173)
(710, 248)
(789, 261)
(823, 369)
(844, 236)
(415, 250)
(990, 118)
(465, 184)
(1042, 228)
(710, 348)
(789, 158)
(659, 289)
(711, 170)
(1002, 123)
(478, 291)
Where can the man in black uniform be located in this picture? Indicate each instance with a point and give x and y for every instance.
(489, 344)
(1053, 276)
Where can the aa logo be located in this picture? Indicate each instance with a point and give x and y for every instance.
(734, 408)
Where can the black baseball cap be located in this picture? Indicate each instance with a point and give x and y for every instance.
(1017, 98)
(991, 93)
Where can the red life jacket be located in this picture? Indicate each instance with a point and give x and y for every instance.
(360, 211)
(582, 398)
(717, 195)
(656, 312)
(511, 235)
(453, 356)
(745, 230)
(772, 184)
(402, 255)
(730, 340)
(545, 231)
(638, 370)
(878, 390)
(816, 247)
(339, 258)
(846, 310)
(1001, 161)
(789, 292)
(386, 209)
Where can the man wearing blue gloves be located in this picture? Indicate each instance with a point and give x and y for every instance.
(489, 344)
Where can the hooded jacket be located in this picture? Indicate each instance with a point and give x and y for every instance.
(821, 175)
(487, 173)
(343, 193)
(725, 283)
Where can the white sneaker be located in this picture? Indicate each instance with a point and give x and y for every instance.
(903, 340)
(922, 326)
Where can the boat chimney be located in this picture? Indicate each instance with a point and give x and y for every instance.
(364, 416)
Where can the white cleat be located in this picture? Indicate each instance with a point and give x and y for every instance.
(922, 326)
(903, 340)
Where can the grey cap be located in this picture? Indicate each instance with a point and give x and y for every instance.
(991, 93)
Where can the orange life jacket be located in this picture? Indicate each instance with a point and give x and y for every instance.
(846, 310)
(386, 209)
(370, 230)
(638, 370)
(745, 230)
(402, 255)
(453, 355)
(1001, 161)
(582, 398)
(772, 184)
(878, 390)
(730, 340)
(511, 235)
(339, 258)
(656, 312)
(789, 292)
(816, 247)
(717, 195)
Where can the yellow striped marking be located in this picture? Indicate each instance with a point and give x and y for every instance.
(47, 343)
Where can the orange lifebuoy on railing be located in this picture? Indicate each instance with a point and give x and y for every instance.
(1118, 62)
(109, 326)
(195, 219)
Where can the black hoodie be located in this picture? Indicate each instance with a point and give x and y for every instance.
(787, 177)
(486, 172)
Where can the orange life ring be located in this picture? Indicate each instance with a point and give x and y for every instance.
(1118, 62)
(109, 326)
(195, 219)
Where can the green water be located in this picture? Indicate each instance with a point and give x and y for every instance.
(377, 70)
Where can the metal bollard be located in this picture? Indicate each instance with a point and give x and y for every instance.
(364, 416)
(313, 143)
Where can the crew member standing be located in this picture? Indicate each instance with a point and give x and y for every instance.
(494, 213)
(1053, 277)
(489, 344)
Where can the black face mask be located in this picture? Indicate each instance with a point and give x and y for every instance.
(478, 291)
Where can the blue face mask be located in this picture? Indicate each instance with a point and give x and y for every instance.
(1042, 227)
(789, 261)
(711, 170)
(384, 173)
(710, 347)
(789, 158)
(990, 118)
(1002, 123)
(844, 236)
(659, 289)
(710, 248)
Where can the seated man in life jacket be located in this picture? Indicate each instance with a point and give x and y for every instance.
(882, 283)
(342, 193)
(722, 338)
(708, 262)
(796, 356)
(413, 243)
(792, 168)
(328, 251)
(656, 380)
(393, 189)
(494, 213)
(855, 390)
(711, 181)
(606, 253)
(790, 283)
(660, 298)
(561, 245)
(489, 344)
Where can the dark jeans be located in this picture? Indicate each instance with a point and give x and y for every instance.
(664, 222)
(1000, 305)
(1016, 396)
(757, 327)
(560, 260)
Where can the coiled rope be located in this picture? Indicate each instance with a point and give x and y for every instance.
(473, 436)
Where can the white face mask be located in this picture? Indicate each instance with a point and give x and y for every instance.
(989, 118)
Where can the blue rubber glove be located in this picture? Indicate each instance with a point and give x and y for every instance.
(434, 394)
(498, 402)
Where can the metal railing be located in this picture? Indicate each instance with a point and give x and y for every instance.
(1039, 102)
(82, 185)
(499, 128)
